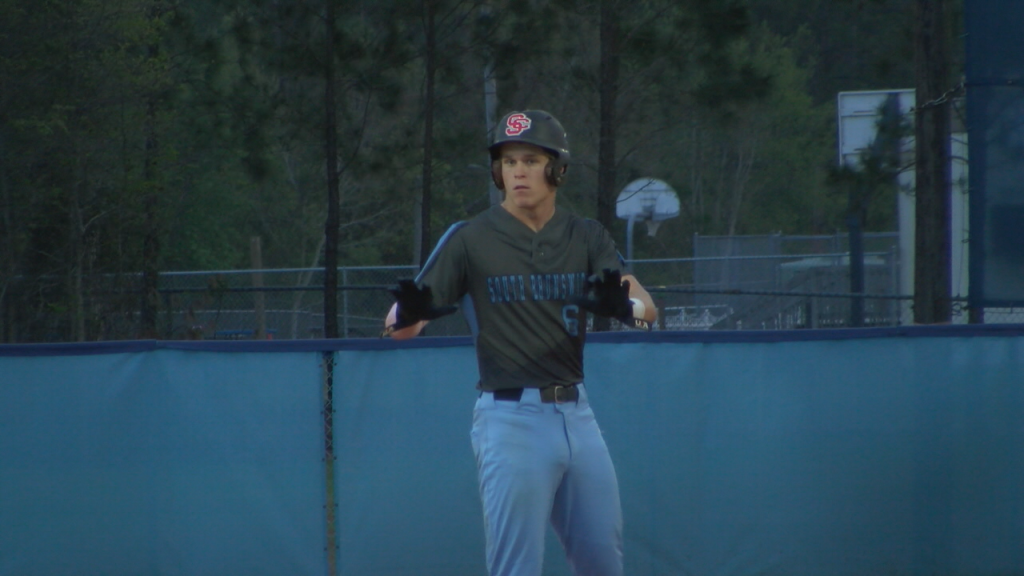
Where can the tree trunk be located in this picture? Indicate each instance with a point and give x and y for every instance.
(333, 194)
(491, 112)
(428, 130)
(609, 94)
(932, 302)
(7, 248)
(76, 228)
(151, 236)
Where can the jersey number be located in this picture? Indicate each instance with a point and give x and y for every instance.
(570, 317)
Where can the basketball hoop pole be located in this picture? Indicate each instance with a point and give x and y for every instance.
(629, 238)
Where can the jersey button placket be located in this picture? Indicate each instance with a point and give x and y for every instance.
(537, 249)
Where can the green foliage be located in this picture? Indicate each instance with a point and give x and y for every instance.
(195, 126)
(848, 44)
(760, 169)
(870, 188)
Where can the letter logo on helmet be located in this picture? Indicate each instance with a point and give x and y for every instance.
(517, 124)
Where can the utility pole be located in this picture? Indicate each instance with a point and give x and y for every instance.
(932, 301)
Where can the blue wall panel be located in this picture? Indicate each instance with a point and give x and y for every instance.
(896, 455)
(995, 106)
(844, 455)
(161, 462)
(798, 453)
(406, 477)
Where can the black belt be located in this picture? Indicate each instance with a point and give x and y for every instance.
(549, 395)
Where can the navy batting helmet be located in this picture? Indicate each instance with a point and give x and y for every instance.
(535, 127)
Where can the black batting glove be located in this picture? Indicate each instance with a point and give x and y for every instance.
(415, 304)
(607, 296)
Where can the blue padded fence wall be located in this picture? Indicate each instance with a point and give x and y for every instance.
(161, 461)
(877, 451)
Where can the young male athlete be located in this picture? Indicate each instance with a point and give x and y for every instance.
(527, 273)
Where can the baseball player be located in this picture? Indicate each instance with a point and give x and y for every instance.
(526, 274)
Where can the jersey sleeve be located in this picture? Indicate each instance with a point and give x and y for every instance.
(603, 254)
(445, 269)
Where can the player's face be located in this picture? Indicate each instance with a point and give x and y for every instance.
(523, 170)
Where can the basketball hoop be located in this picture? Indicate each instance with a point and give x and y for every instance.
(646, 200)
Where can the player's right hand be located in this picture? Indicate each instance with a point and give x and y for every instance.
(415, 304)
(608, 296)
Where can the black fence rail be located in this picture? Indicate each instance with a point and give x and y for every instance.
(791, 292)
(282, 304)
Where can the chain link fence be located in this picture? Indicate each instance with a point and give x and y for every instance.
(777, 282)
(753, 292)
(282, 303)
(285, 304)
(768, 282)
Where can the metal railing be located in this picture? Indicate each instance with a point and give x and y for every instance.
(802, 291)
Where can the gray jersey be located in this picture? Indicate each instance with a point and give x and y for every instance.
(516, 287)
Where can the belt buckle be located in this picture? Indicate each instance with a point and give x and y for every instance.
(561, 394)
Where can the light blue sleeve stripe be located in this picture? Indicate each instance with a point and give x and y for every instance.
(469, 311)
(437, 249)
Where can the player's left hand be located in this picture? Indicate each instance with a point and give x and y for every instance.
(415, 304)
(608, 295)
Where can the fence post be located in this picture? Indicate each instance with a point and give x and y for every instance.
(259, 303)
(344, 302)
(331, 499)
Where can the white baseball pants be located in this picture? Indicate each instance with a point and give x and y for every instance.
(541, 462)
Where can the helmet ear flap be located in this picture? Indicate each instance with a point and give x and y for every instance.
(555, 171)
(499, 180)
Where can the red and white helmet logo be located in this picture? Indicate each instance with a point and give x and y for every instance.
(517, 124)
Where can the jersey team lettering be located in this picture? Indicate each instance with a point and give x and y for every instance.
(512, 288)
(517, 124)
